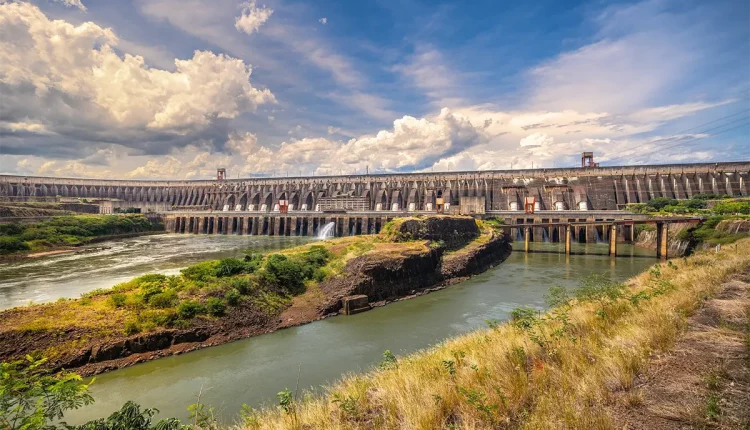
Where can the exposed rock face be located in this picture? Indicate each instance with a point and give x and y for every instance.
(734, 226)
(455, 232)
(388, 276)
(647, 239)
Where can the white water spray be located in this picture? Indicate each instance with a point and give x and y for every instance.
(326, 231)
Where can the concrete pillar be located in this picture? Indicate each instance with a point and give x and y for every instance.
(310, 226)
(345, 228)
(293, 230)
(255, 226)
(662, 244)
(365, 225)
(216, 225)
(201, 224)
(568, 239)
(613, 240)
(526, 235)
(276, 223)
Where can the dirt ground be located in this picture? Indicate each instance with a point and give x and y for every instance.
(704, 380)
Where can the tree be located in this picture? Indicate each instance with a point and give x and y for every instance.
(29, 399)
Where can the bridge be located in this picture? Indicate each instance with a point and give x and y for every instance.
(563, 189)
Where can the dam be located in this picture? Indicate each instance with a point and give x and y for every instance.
(562, 189)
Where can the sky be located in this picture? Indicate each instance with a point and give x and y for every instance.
(174, 89)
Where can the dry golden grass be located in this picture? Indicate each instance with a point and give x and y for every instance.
(502, 377)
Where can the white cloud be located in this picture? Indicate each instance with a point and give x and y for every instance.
(72, 3)
(323, 20)
(252, 17)
(62, 77)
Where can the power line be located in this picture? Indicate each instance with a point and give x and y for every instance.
(690, 142)
(701, 132)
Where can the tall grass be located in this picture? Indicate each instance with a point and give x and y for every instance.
(556, 370)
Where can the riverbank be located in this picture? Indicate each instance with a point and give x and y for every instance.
(577, 366)
(66, 233)
(219, 301)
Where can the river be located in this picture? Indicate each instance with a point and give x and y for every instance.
(253, 370)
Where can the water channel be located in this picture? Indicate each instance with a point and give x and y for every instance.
(253, 370)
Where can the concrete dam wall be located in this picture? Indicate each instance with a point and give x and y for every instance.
(577, 189)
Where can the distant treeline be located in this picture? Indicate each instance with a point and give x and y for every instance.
(69, 231)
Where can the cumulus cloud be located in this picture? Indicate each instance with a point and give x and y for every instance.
(72, 3)
(323, 20)
(252, 17)
(66, 80)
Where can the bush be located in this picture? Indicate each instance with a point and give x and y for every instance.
(9, 245)
(131, 327)
(216, 306)
(190, 309)
(163, 300)
(229, 267)
(10, 229)
(285, 273)
(232, 297)
(242, 285)
(200, 272)
(662, 202)
(117, 300)
(731, 208)
(695, 204)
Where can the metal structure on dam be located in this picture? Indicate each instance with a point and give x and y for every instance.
(581, 189)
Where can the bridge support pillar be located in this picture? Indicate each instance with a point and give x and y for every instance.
(662, 244)
(217, 225)
(613, 240)
(526, 237)
(568, 239)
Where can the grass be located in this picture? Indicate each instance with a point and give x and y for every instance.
(540, 371)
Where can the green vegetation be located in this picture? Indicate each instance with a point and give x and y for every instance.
(707, 233)
(697, 205)
(68, 231)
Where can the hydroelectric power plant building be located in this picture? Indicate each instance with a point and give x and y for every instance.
(363, 203)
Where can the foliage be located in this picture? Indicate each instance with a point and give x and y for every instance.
(190, 308)
(731, 208)
(389, 360)
(9, 245)
(29, 400)
(131, 417)
(216, 306)
(286, 400)
(233, 297)
(68, 230)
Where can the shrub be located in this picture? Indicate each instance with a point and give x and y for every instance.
(284, 272)
(730, 208)
(242, 285)
(9, 245)
(695, 203)
(232, 297)
(117, 300)
(189, 309)
(216, 306)
(150, 289)
(163, 300)
(131, 327)
(10, 229)
(229, 267)
(200, 272)
(662, 202)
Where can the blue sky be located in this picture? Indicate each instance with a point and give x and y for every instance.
(293, 87)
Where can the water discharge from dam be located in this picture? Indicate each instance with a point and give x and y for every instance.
(253, 370)
(327, 231)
